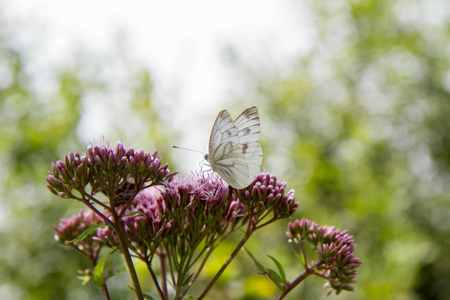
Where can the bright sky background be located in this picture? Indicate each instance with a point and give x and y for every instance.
(180, 41)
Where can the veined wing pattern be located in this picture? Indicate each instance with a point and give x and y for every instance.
(234, 151)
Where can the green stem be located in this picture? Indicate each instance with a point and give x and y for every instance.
(87, 196)
(97, 212)
(267, 223)
(105, 291)
(118, 225)
(229, 259)
(305, 260)
(183, 271)
(155, 280)
(162, 257)
(170, 257)
(197, 273)
(297, 281)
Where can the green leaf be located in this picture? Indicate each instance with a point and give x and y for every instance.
(299, 255)
(99, 270)
(120, 271)
(275, 278)
(146, 296)
(188, 279)
(115, 273)
(280, 268)
(87, 232)
(135, 213)
(258, 265)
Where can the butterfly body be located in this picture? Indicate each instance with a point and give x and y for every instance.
(234, 150)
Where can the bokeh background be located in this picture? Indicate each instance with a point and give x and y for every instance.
(354, 100)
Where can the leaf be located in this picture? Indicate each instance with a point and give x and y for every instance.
(146, 296)
(87, 232)
(258, 265)
(300, 256)
(188, 279)
(120, 271)
(115, 273)
(135, 213)
(99, 270)
(280, 268)
(275, 278)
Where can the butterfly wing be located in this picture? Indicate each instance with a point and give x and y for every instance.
(227, 161)
(223, 131)
(234, 151)
(249, 129)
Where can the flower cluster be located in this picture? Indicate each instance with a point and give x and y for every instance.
(106, 170)
(334, 248)
(155, 214)
(201, 205)
(69, 229)
(146, 221)
(145, 224)
(267, 194)
(196, 207)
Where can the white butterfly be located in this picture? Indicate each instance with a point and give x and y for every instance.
(234, 151)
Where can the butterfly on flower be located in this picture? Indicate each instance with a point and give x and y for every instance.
(234, 150)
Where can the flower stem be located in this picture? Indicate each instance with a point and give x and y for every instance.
(197, 273)
(297, 281)
(183, 272)
(155, 280)
(229, 259)
(106, 292)
(163, 274)
(118, 225)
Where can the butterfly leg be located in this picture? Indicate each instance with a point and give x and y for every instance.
(204, 167)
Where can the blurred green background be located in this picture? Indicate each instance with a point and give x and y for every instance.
(360, 125)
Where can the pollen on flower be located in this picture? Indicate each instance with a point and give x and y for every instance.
(202, 204)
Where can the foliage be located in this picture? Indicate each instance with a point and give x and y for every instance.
(360, 124)
(363, 119)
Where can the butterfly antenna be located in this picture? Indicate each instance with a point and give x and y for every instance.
(176, 147)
